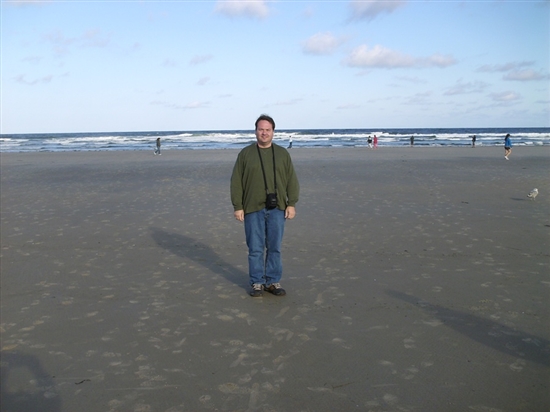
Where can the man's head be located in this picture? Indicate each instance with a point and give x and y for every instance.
(265, 127)
(265, 117)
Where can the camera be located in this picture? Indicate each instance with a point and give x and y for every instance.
(271, 201)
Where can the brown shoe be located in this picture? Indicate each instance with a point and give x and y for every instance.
(276, 289)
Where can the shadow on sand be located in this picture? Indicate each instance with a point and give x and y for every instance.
(20, 371)
(494, 335)
(189, 248)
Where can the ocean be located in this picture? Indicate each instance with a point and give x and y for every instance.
(237, 139)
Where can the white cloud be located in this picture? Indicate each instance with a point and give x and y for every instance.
(321, 43)
(170, 105)
(94, 38)
(348, 106)
(526, 75)
(32, 59)
(437, 60)
(169, 63)
(289, 102)
(381, 57)
(203, 81)
(504, 67)
(24, 3)
(200, 59)
(505, 97)
(415, 80)
(369, 10)
(21, 80)
(251, 8)
(466, 88)
(196, 105)
(61, 43)
(419, 98)
(308, 13)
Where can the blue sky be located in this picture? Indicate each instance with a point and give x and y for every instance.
(86, 66)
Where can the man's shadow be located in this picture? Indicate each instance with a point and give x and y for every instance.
(189, 248)
(492, 334)
(43, 397)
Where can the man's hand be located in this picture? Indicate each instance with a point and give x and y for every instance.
(290, 212)
(239, 215)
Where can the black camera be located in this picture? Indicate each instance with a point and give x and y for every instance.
(271, 201)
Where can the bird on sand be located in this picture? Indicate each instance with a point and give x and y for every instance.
(533, 193)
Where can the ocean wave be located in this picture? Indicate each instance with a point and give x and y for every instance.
(234, 139)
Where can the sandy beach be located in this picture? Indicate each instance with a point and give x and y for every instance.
(418, 279)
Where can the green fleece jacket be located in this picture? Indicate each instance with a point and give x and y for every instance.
(247, 181)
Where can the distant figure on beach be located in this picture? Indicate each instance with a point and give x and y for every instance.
(375, 141)
(369, 141)
(290, 143)
(507, 146)
(412, 141)
(157, 149)
(474, 140)
(264, 193)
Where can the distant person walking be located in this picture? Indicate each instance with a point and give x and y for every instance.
(369, 141)
(290, 143)
(507, 146)
(412, 141)
(157, 149)
(474, 140)
(375, 141)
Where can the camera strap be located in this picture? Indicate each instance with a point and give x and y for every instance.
(263, 171)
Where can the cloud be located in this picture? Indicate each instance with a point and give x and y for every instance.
(289, 102)
(419, 98)
(381, 57)
(203, 81)
(466, 88)
(175, 106)
(25, 3)
(32, 59)
(169, 63)
(308, 13)
(369, 10)
(21, 80)
(94, 38)
(252, 8)
(409, 79)
(348, 106)
(200, 59)
(491, 68)
(321, 44)
(525, 75)
(505, 97)
(62, 43)
(196, 105)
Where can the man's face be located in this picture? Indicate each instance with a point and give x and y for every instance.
(264, 133)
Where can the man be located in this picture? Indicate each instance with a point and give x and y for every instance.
(157, 150)
(252, 180)
(507, 146)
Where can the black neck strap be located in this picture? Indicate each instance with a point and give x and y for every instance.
(263, 171)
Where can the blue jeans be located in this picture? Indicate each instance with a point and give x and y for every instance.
(264, 233)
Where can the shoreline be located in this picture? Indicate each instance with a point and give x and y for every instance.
(297, 147)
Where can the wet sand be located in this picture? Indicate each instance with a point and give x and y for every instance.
(418, 279)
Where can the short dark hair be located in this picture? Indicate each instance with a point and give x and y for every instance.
(265, 117)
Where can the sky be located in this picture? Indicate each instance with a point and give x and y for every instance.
(99, 66)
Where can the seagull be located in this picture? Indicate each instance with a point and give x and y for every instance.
(533, 193)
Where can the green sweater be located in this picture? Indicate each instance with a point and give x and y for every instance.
(247, 181)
